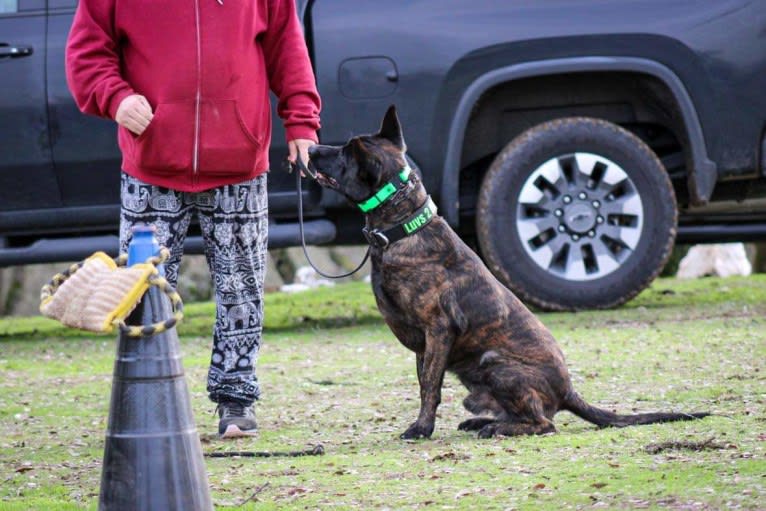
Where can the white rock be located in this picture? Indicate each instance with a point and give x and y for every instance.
(722, 260)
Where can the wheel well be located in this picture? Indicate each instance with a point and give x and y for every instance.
(638, 102)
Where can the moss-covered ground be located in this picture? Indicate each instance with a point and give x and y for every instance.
(333, 374)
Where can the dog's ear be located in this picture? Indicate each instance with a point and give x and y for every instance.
(358, 151)
(367, 163)
(391, 130)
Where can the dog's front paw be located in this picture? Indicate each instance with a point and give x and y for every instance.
(416, 431)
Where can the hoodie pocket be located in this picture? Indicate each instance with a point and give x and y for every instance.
(167, 144)
(226, 145)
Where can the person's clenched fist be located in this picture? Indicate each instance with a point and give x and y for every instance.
(134, 113)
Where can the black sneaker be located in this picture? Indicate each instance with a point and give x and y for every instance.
(237, 420)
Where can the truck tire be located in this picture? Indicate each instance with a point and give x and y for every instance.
(576, 213)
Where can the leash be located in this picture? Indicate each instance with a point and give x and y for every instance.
(303, 169)
(317, 450)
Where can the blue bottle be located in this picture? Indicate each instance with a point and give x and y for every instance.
(143, 245)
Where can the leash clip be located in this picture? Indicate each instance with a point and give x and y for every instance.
(375, 238)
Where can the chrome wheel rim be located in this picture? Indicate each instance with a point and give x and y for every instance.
(579, 216)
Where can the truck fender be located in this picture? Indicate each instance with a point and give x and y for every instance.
(702, 175)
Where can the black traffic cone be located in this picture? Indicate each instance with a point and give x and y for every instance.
(153, 456)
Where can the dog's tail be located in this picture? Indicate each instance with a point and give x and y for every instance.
(604, 418)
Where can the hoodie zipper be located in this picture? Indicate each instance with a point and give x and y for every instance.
(198, 98)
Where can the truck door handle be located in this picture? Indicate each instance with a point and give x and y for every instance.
(13, 52)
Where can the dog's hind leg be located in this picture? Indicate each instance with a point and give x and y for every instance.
(515, 429)
(530, 419)
(522, 395)
(480, 402)
(475, 423)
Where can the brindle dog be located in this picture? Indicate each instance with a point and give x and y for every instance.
(441, 302)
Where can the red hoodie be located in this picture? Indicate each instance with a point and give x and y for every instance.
(206, 67)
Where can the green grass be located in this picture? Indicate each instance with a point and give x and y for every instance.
(333, 374)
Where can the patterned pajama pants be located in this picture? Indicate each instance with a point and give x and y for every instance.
(234, 223)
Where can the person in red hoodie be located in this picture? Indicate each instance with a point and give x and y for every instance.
(188, 82)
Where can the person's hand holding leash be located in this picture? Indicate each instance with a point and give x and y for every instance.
(134, 113)
(299, 146)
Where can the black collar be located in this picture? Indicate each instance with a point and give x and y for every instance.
(383, 238)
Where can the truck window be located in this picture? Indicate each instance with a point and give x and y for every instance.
(9, 6)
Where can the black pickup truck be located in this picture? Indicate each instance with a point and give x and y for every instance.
(571, 142)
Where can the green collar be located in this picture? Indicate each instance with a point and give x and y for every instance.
(386, 192)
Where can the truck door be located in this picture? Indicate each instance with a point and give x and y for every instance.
(27, 180)
(283, 199)
(84, 147)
